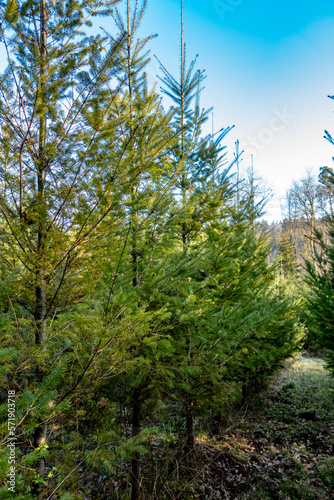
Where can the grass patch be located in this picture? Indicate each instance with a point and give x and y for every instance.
(283, 451)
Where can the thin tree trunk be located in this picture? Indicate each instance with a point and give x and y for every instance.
(136, 428)
(189, 446)
(40, 290)
(39, 436)
(190, 436)
(331, 203)
(136, 401)
(136, 397)
(312, 234)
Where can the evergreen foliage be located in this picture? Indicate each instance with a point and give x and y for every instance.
(320, 273)
(320, 278)
(137, 302)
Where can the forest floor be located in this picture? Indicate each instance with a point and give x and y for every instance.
(282, 451)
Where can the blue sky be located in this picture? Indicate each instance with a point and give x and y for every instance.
(269, 67)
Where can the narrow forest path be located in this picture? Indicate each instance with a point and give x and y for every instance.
(285, 451)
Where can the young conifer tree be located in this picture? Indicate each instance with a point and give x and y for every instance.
(131, 263)
(320, 274)
(51, 206)
(320, 299)
(201, 187)
(90, 205)
(147, 204)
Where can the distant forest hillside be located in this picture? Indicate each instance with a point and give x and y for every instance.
(307, 214)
